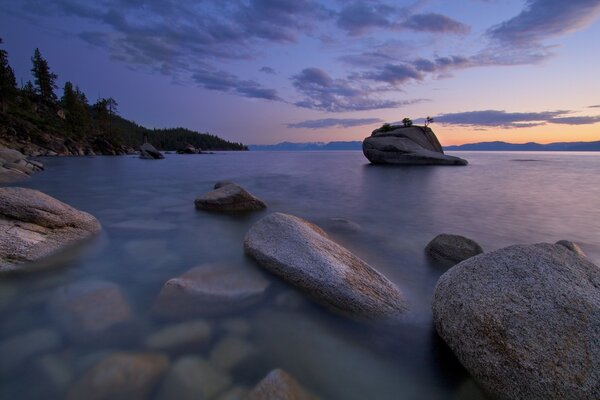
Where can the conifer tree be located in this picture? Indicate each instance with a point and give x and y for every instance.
(75, 105)
(44, 79)
(8, 83)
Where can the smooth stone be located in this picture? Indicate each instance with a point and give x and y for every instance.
(92, 310)
(53, 373)
(209, 290)
(235, 393)
(524, 321)
(126, 376)
(232, 351)
(8, 175)
(236, 326)
(193, 378)
(11, 156)
(17, 350)
(220, 184)
(344, 225)
(574, 247)
(278, 385)
(182, 336)
(34, 226)
(415, 145)
(231, 197)
(302, 254)
(452, 249)
(149, 152)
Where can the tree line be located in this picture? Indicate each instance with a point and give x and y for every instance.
(73, 116)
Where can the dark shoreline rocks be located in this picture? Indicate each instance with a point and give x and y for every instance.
(414, 145)
(452, 249)
(302, 254)
(524, 321)
(149, 152)
(34, 226)
(229, 197)
(14, 166)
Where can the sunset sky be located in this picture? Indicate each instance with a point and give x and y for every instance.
(266, 71)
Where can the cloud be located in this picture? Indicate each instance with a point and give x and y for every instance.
(395, 74)
(322, 92)
(594, 106)
(334, 122)
(436, 23)
(541, 19)
(359, 17)
(228, 83)
(503, 119)
(268, 70)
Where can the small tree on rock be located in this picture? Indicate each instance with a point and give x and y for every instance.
(428, 121)
(407, 122)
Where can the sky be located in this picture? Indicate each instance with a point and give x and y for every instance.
(267, 71)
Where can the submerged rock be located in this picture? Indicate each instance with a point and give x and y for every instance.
(452, 249)
(92, 311)
(182, 336)
(34, 225)
(128, 376)
(525, 321)
(574, 247)
(193, 378)
(210, 290)
(407, 145)
(232, 351)
(19, 349)
(278, 385)
(302, 254)
(229, 197)
(149, 152)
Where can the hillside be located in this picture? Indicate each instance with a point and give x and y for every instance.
(531, 146)
(309, 146)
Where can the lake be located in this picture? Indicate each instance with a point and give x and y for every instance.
(385, 215)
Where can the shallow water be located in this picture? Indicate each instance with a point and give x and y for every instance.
(152, 233)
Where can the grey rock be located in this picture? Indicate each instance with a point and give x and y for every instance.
(17, 350)
(130, 376)
(232, 351)
(8, 175)
(34, 225)
(10, 155)
(230, 197)
(452, 249)
(92, 311)
(183, 336)
(302, 254)
(574, 247)
(149, 152)
(278, 385)
(236, 326)
(54, 373)
(220, 184)
(414, 145)
(210, 290)
(193, 378)
(189, 149)
(525, 321)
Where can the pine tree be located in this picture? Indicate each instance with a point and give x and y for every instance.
(8, 83)
(44, 79)
(75, 105)
(28, 89)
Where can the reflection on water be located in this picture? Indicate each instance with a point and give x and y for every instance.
(386, 215)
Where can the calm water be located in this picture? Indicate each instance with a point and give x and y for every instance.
(152, 233)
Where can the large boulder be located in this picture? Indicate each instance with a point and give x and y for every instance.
(229, 197)
(278, 385)
(302, 254)
(452, 249)
(416, 145)
(14, 166)
(209, 290)
(128, 376)
(189, 149)
(525, 321)
(34, 225)
(149, 152)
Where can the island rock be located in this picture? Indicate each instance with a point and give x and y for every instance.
(34, 225)
(452, 249)
(413, 145)
(302, 254)
(229, 197)
(524, 321)
(189, 149)
(149, 152)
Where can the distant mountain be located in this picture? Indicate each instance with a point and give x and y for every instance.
(309, 146)
(531, 146)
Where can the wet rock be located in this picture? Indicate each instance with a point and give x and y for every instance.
(231, 351)
(302, 254)
(574, 247)
(344, 225)
(128, 376)
(210, 290)
(192, 378)
(278, 385)
(291, 300)
(182, 336)
(17, 350)
(452, 249)
(34, 226)
(230, 197)
(415, 145)
(236, 326)
(149, 152)
(525, 321)
(236, 393)
(92, 311)
(220, 184)
(53, 372)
